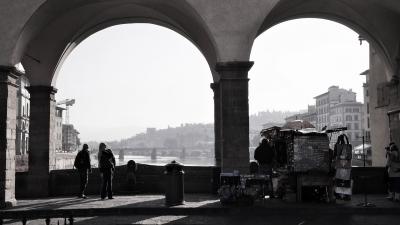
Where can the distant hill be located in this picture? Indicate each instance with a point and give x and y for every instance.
(257, 120)
(192, 135)
(186, 135)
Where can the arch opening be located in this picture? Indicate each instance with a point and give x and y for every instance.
(142, 81)
(291, 65)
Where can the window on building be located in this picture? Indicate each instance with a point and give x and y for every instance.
(367, 108)
(356, 126)
(355, 117)
(348, 118)
(368, 122)
(348, 109)
(348, 126)
(356, 110)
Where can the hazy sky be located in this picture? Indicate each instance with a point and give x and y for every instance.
(130, 77)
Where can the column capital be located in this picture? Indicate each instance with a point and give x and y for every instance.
(234, 66)
(41, 89)
(9, 75)
(6, 68)
(233, 70)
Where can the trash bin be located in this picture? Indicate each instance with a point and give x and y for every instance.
(174, 187)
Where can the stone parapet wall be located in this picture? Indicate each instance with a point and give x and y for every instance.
(150, 179)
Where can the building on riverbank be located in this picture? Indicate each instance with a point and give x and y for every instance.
(70, 139)
(22, 131)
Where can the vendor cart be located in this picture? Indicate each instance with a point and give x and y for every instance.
(305, 155)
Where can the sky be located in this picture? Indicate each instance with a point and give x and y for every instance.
(129, 77)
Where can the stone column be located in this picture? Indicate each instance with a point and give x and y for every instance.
(42, 139)
(8, 125)
(217, 123)
(234, 92)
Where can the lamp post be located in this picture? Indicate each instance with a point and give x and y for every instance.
(364, 178)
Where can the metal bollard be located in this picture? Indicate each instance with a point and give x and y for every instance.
(71, 220)
(174, 184)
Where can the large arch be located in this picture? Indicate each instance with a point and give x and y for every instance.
(57, 28)
(375, 24)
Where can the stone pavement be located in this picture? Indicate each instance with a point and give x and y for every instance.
(205, 209)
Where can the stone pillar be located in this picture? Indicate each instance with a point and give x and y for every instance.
(42, 139)
(8, 125)
(234, 92)
(217, 123)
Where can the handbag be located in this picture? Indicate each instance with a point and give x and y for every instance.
(343, 148)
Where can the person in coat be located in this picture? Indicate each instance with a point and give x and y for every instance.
(82, 163)
(393, 165)
(106, 167)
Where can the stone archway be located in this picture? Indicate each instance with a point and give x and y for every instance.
(39, 32)
(49, 38)
(383, 64)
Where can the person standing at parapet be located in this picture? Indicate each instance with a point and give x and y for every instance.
(82, 163)
(106, 167)
(265, 156)
(394, 172)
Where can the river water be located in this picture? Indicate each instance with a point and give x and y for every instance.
(163, 160)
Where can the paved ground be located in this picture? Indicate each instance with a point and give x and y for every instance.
(208, 210)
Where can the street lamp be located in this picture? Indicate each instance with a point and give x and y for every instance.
(361, 39)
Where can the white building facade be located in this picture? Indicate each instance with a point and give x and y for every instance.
(22, 131)
(339, 108)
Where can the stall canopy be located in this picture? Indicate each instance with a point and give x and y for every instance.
(297, 125)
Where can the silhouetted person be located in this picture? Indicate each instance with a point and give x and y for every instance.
(106, 167)
(265, 155)
(131, 169)
(254, 167)
(82, 163)
(393, 164)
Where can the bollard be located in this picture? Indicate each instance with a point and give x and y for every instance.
(71, 220)
(174, 184)
(131, 169)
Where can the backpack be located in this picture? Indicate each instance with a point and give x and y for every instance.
(106, 161)
(79, 162)
(264, 153)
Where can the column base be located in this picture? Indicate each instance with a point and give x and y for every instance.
(38, 186)
(8, 204)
